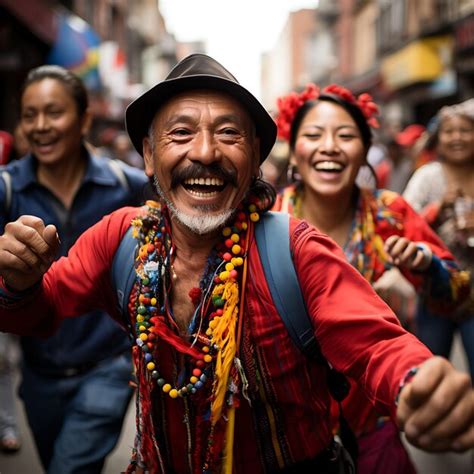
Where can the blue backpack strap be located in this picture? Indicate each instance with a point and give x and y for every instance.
(272, 233)
(123, 273)
(273, 240)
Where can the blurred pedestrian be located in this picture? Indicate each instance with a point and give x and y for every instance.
(122, 150)
(443, 191)
(329, 134)
(75, 384)
(9, 431)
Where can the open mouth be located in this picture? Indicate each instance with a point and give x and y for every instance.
(328, 166)
(204, 187)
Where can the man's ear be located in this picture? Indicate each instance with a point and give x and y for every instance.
(148, 157)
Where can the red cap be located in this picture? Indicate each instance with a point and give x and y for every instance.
(6, 144)
(409, 135)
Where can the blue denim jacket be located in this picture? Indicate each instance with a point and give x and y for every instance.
(92, 337)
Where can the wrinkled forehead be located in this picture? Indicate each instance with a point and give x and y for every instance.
(197, 104)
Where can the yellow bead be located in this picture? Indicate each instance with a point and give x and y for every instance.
(143, 336)
(207, 358)
(150, 366)
(140, 318)
(252, 208)
(244, 226)
(254, 217)
(141, 328)
(205, 349)
(208, 332)
(236, 249)
(229, 266)
(225, 274)
(235, 238)
(193, 379)
(166, 387)
(226, 231)
(153, 301)
(213, 323)
(173, 393)
(237, 261)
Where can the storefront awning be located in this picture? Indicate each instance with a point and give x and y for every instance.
(421, 61)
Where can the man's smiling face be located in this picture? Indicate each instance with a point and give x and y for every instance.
(202, 153)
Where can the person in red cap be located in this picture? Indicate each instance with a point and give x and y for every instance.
(222, 387)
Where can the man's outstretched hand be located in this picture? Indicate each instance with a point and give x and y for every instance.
(27, 250)
(436, 408)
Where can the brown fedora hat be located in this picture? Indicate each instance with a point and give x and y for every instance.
(197, 71)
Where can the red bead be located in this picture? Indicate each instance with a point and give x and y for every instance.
(200, 364)
(227, 256)
(197, 372)
(219, 312)
(241, 216)
(233, 273)
(229, 243)
(150, 248)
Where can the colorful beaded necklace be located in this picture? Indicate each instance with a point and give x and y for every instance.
(214, 328)
(364, 247)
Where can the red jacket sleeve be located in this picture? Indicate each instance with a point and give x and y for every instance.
(358, 333)
(75, 284)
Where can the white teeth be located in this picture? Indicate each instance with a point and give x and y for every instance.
(204, 181)
(328, 165)
(199, 194)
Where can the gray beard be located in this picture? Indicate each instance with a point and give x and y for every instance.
(202, 224)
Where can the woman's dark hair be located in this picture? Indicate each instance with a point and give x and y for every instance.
(70, 81)
(351, 109)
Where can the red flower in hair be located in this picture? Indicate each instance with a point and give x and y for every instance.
(365, 102)
(289, 105)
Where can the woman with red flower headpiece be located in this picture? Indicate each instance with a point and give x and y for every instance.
(329, 134)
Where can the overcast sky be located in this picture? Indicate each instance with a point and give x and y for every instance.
(236, 32)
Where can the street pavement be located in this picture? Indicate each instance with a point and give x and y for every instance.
(26, 461)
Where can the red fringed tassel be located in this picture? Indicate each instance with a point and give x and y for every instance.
(167, 335)
(146, 451)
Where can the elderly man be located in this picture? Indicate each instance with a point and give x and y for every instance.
(221, 385)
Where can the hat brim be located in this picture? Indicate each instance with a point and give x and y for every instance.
(140, 113)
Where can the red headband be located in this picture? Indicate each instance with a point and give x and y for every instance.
(289, 105)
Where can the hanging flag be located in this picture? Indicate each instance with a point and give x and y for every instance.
(77, 48)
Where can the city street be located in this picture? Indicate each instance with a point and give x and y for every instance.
(26, 462)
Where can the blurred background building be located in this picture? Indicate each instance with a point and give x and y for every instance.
(413, 56)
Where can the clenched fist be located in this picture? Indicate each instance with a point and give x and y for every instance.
(27, 249)
(436, 408)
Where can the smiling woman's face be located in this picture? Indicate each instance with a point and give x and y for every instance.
(51, 122)
(456, 139)
(328, 150)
